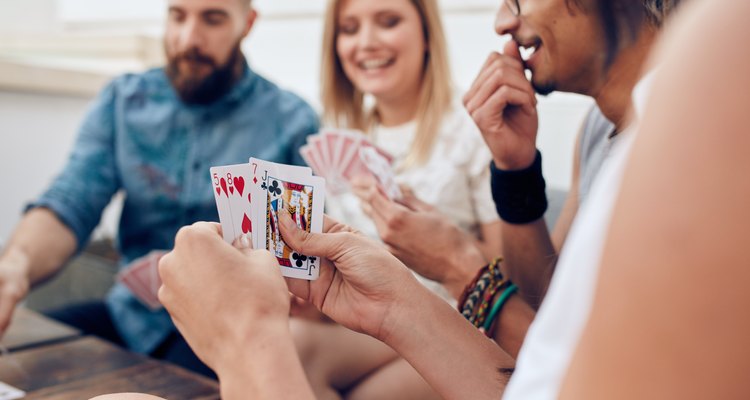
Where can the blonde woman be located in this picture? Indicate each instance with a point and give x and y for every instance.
(385, 72)
(394, 54)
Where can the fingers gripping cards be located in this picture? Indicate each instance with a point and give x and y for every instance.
(249, 197)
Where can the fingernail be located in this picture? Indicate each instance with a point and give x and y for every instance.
(244, 241)
(286, 219)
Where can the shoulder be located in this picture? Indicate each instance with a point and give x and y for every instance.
(150, 82)
(285, 102)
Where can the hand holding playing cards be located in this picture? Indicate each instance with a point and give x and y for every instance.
(423, 239)
(503, 105)
(232, 307)
(218, 296)
(365, 288)
(360, 284)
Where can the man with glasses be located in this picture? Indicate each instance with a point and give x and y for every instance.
(566, 52)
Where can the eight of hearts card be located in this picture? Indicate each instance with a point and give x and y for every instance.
(275, 187)
(231, 185)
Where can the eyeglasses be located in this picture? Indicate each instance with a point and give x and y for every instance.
(513, 7)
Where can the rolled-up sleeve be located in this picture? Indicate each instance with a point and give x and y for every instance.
(89, 180)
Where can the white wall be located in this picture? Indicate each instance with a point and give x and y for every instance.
(28, 16)
(37, 130)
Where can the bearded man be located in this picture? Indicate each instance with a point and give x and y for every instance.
(154, 136)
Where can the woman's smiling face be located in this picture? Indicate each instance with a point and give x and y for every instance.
(381, 46)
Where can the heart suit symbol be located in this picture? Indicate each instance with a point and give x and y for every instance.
(247, 225)
(239, 183)
(223, 184)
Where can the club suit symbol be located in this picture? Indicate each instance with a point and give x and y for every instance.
(274, 188)
(299, 259)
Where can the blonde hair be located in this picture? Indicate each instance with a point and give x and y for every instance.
(343, 104)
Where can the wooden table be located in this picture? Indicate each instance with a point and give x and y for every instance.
(29, 329)
(81, 367)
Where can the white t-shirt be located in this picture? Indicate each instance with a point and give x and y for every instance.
(455, 178)
(554, 334)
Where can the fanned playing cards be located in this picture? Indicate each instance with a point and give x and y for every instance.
(342, 155)
(249, 198)
(142, 278)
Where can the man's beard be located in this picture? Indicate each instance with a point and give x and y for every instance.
(205, 90)
(543, 88)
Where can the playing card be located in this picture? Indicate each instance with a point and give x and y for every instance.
(320, 147)
(380, 167)
(8, 392)
(311, 159)
(128, 278)
(302, 195)
(142, 278)
(331, 144)
(233, 200)
(347, 143)
(258, 184)
(355, 166)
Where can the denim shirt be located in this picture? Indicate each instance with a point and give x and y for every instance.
(139, 138)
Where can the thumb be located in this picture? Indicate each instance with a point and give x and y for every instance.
(313, 244)
(511, 50)
(243, 244)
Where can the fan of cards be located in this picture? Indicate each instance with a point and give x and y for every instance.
(249, 197)
(142, 278)
(342, 155)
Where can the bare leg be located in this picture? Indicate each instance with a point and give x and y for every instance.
(396, 380)
(334, 357)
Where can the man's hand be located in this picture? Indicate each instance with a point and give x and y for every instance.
(14, 286)
(220, 297)
(503, 105)
(423, 238)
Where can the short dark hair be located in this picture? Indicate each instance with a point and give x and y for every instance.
(622, 20)
(658, 10)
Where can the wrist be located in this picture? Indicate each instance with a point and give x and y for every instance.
(463, 269)
(239, 354)
(17, 266)
(517, 161)
(400, 318)
(512, 324)
(519, 195)
(264, 365)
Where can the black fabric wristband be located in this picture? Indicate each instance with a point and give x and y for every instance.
(520, 195)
